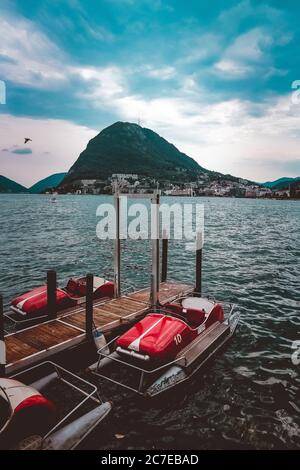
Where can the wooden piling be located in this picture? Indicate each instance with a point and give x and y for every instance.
(158, 241)
(164, 261)
(199, 249)
(51, 293)
(89, 307)
(117, 248)
(2, 340)
(155, 248)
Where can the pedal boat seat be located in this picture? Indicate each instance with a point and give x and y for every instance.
(210, 309)
(77, 287)
(198, 303)
(194, 317)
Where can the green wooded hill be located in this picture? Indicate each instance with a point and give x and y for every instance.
(281, 183)
(50, 182)
(10, 186)
(125, 147)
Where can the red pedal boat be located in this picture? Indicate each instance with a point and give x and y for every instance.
(161, 336)
(31, 420)
(33, 304)
(169, 345)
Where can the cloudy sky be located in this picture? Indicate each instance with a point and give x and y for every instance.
(215, 78)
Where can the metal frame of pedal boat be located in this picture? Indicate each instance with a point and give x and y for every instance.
(180, 361)
(93, 395)
(24, 322)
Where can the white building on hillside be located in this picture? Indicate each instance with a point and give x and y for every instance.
(124, 176)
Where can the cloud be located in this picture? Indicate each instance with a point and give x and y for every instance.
(230, 19)
(200, 46)
(96, 32)
(161, 73)
(156, 5)
(22, 151)
(31, 58)
(17, 150)
(100, 83)
(249, 53)
(233, 68)
(226, 136)
(184, 75)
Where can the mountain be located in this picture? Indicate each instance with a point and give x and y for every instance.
(47, 183)
(281, 183)
(124, 147)
(10, 186)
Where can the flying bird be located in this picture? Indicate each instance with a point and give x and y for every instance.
(26, 139)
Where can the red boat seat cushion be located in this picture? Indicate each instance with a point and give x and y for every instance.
(159, 336)
(217, 314)
(193, 316)
(81, 287)
(72, 287)
(36, 302)
(106, 290)
(176, 308)
(77, 287)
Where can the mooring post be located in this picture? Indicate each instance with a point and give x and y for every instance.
(51, 293)
(164, 260)
(117, 247)
(155, 248)
(199, 248)
(158, 240)
(2, 340)
(89, 307)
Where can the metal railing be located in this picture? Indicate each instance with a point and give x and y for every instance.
(93, 395)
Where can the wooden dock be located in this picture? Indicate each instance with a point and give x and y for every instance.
(38, 342)
(75, 326)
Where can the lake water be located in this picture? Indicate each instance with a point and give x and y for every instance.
(249, 396)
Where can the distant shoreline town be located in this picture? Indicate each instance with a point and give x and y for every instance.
(203, 186)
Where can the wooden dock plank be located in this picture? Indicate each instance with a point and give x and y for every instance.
(110, 314)
(34, 340)
(80, 308)
(110, 309)
(122, 308)
(78, 320)
(47, 335)
(100, 313)
(107, 311)
(168, 291)
(17, 349)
